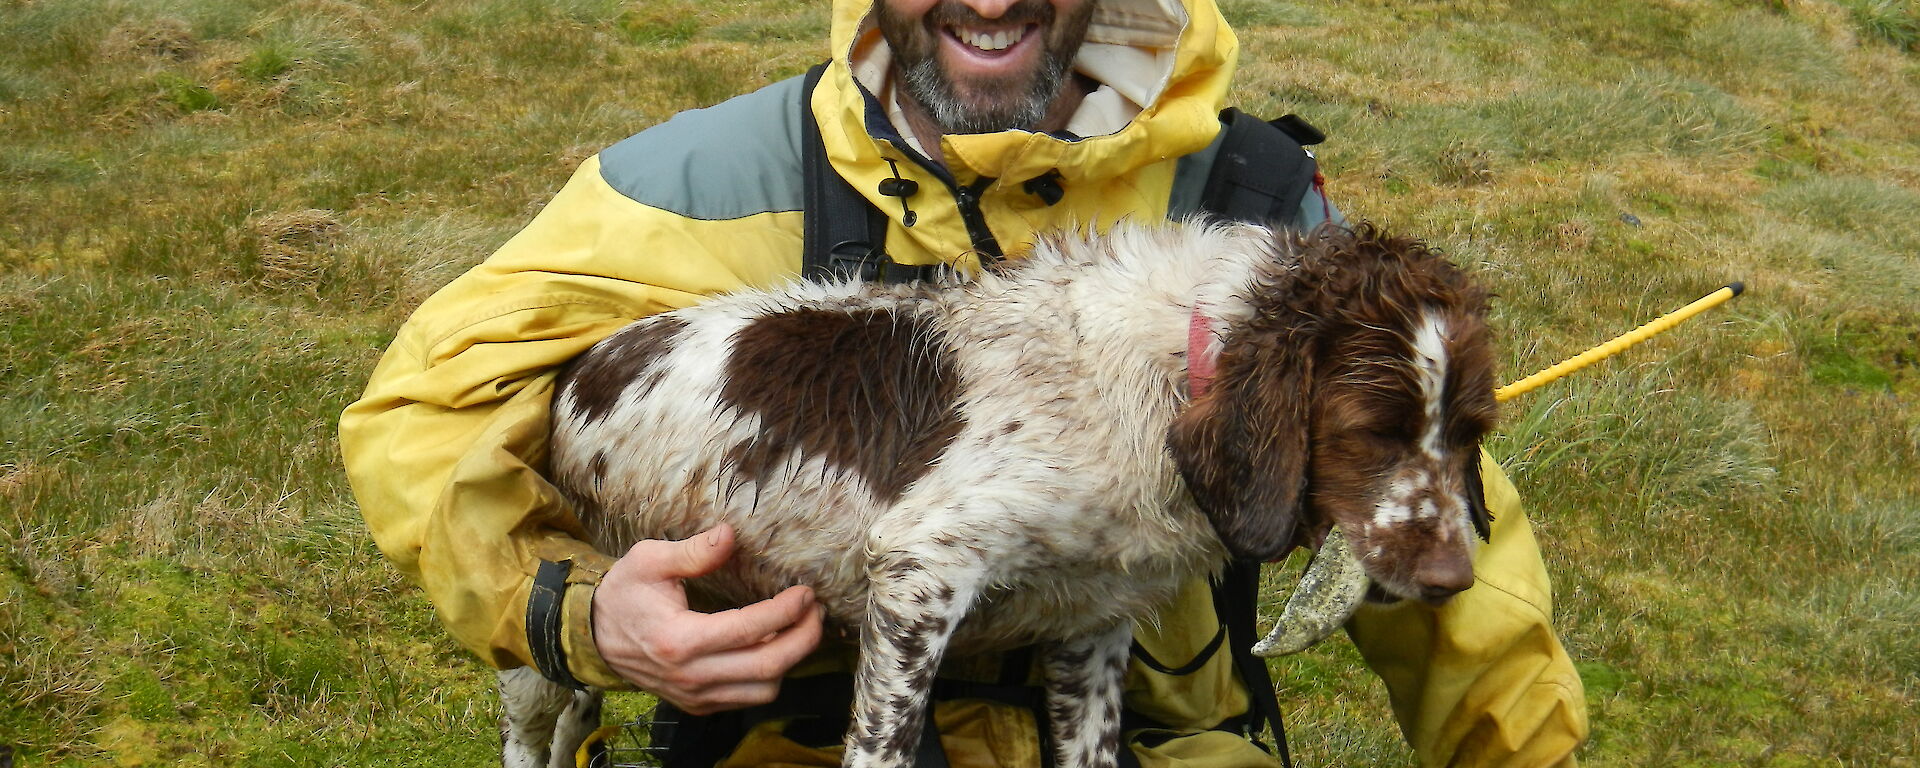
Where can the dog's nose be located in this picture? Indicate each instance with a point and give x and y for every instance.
(1442, 576)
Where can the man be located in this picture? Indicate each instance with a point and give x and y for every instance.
(1008, 116)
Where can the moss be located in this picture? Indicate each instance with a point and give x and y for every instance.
(266, 62)
(185, 94)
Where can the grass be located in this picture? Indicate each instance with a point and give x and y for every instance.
(1893, 21)
(227, 206)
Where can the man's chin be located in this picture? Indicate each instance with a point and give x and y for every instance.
(981, 120)
(977, 106)
(987, 89)
(988, 114)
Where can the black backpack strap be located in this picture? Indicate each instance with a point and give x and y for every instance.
(1236, 595)
(1234, 598)
(816, 712)
(695, 741)
(1191, 666)
(837, 238)
(843, 235)
(1263, 170)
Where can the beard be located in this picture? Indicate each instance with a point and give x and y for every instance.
(982, 104)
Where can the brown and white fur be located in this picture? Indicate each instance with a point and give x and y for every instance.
(1016, 460)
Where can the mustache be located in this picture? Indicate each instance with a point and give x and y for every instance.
(954, 13)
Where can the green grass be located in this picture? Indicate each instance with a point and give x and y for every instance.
(223, 208)
(1896, 22)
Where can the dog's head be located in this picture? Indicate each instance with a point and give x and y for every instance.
(1355, 393)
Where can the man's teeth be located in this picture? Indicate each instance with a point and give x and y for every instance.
(990, 41)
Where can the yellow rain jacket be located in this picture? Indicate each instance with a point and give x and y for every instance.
(445, 449)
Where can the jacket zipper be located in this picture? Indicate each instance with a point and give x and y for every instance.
(966, 198)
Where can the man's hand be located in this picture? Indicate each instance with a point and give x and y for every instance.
(700, 662)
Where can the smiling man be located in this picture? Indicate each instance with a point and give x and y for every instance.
(969, 125)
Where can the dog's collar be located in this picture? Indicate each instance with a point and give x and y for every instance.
(1199, 354)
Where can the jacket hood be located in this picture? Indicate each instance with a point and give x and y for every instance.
(1171, 59)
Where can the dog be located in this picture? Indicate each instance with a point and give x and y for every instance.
(1042, 455)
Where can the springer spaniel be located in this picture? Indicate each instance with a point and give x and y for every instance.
(1043, 455)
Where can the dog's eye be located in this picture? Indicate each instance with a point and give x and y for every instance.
(1388, 432)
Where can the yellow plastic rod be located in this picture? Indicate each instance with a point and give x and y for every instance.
(1618, 344)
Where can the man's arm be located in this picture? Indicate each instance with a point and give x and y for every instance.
(445, 448)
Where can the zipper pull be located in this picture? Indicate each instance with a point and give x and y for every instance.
(968, 200)
(969, 196)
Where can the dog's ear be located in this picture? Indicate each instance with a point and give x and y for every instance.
(1242, 448)
(1477, 511)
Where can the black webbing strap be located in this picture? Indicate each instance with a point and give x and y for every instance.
(1262, 172)
(816, 711)
(928, 753)
(837, 220)
(1193, 665)
(696, 741)
(1234, 598)
(549, 593)
(842, 235)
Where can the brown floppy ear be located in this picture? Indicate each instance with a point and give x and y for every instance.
(1242, 448)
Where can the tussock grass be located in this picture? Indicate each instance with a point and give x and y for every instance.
(1647, 439)
(1758, 51)
(1882, 214)
(1892, 21)
(226, 206)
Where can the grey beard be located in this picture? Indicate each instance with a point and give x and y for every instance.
(927, 85)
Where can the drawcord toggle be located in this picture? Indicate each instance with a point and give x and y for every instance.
(901, 188)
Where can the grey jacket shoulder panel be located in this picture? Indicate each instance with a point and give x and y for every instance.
(734, 159)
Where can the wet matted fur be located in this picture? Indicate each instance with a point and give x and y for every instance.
(1016, 460)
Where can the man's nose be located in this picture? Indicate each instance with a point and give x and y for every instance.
(990, 9)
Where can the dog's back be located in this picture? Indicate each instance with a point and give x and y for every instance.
(1020, 414)
(775, 411)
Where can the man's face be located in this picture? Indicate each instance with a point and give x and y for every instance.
(979, 66)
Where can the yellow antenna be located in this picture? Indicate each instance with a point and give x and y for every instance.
(1618, 344)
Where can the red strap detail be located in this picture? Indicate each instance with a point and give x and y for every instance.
(1320, 188)
(1199, 363)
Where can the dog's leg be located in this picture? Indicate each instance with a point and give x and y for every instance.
(576, 724)
(916, 600)
(1084, 680)
(529, 705)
